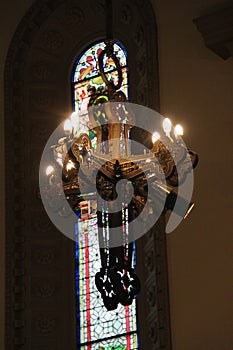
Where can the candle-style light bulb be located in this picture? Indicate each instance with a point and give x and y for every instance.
(67, 127)
(155, 136)
(74, 120)
(167, 126)
(49, 170)
(179, 131)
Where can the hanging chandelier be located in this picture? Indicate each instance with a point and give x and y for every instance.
(109, 170)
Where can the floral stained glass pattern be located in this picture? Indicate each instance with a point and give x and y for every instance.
(97, 328)
(86, 74)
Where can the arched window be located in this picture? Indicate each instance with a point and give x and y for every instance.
(97, 328)
(40, 284)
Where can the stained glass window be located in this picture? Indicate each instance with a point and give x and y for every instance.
(86, 74)
(97, 328)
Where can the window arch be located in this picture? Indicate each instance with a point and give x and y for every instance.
(97, 328)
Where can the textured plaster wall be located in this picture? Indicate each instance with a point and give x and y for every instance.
(196, 89)
(11, 13)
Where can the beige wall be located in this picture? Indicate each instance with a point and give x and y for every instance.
(196, 90)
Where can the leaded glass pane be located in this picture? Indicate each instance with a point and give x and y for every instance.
(86, 74)
(97, 328)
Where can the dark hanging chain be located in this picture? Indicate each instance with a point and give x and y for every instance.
(109, 20)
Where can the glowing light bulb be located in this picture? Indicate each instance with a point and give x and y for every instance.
(179, 130)
(60, 161)
(49, 170)
(74, 120)
(155, 136)
(67, 127)
(58, 157)
(167, 126)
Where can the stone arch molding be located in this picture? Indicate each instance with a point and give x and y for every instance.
(39, 261)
